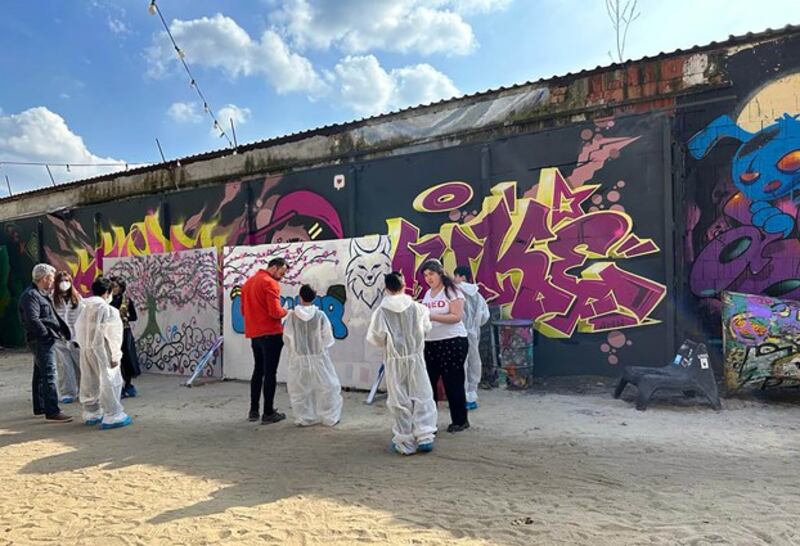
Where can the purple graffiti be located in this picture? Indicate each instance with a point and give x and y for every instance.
(531, 256)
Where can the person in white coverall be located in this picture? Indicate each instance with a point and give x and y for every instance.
(476, 314)
(314, 388)
(399, 326)
(68, 305)
(99, 332)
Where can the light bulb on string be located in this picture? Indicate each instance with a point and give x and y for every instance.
(67, 166)
(152, 7)
(192, 83)
(180, 52)
(205, 107)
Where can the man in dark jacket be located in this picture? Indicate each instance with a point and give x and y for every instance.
(42, 327)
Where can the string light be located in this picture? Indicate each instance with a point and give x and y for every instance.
(154, 9)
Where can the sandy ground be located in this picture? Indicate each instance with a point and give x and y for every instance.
(535, 468)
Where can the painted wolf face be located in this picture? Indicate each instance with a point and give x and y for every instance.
(368, 264)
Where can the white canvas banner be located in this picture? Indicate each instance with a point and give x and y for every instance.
(348, 277)
(176, 297)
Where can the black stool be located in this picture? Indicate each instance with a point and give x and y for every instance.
(689, 372)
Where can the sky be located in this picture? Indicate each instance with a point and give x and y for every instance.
(97, 81)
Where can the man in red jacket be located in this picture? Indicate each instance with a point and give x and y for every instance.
(262, 311)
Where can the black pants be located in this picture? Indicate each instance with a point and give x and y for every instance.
(446, 359)
(44, 391)
(266, 355)
(130, 358)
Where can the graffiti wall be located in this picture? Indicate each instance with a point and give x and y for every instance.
(19, 252)
(761, 340)
(742, 188)
(566, 227)
(176, 297)
(348, 277)
(563, 246)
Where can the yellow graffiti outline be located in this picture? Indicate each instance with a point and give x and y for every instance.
(205, 236)
(545, 194)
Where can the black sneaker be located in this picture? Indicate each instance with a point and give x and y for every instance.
(274, 417)
(253, 416)
(458, 428)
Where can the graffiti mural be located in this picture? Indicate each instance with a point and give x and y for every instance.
(18, 254)
(81, 242)
(764, 168)
(323, 265)
(741, 227)
(301, 216)
(177, 298)
(761, 340)
(557, 248)
(536, 267)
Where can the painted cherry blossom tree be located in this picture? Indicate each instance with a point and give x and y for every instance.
(175, 280)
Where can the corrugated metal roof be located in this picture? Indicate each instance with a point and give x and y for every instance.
(328, 130)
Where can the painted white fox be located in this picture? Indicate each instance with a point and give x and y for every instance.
(369, 262)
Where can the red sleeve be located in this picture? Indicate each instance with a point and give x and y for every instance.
(273, 296)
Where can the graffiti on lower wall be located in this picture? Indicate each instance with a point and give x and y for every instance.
(142, 238)
(177, 299)
(761, 340)
(529, 256)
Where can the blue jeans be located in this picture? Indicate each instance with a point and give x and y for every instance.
(44, 391)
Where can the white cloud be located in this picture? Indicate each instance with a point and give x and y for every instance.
(368, 88)
(185, 112)
(219, 42)
(357, 81)
(239, 115)
(469, 7)
(117, 26)
(357, 26)
(40, 135)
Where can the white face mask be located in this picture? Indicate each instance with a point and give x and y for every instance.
(64, 285)
(108, 298)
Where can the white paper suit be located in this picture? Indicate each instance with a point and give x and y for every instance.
(399, 326)
(476, 314)
(314, 388)
(99, 333)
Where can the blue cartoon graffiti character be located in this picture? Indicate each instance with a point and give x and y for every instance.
(765, 167)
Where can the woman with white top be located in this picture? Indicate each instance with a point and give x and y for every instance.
(446, 345)
(68, 304)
